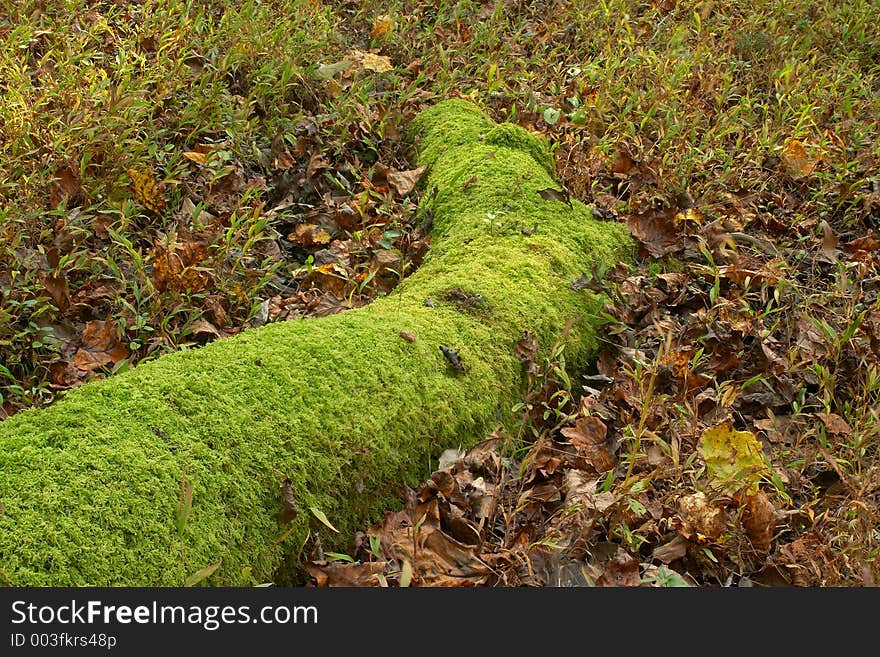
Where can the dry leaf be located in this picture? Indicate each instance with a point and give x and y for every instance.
(338, 573)
(148, 189)
(58, 289)
(795, 159)
(691, 215)
(655, 231)
(403, 182)
(669, 552)
(622, 164)
(100, 346)
(176, 267)
(621, 570)
(202, 328)
(829, 251)
(550, 194)
(759, 520)
(309, 235)
(65, 187)
(381, 26)
(734, 459)
(288, 498)
(588, 436)
(698, 520)
(372, 62)
(526, 348)
(835, 424)
(196, 156)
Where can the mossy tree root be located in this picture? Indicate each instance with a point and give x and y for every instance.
(91, 487)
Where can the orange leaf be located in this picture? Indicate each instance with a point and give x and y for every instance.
(795, 159)
(381, 26)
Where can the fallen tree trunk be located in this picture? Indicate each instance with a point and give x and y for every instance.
(151, 476)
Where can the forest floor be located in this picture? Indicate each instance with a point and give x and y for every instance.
(174, 172)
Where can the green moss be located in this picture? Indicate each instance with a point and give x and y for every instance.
(341, 405)
(512, 136)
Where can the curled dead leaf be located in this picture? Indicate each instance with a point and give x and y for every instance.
(621, 570)
(58, 289)
(670, 551)
(759, 521)
(177, 266)
(196, 156)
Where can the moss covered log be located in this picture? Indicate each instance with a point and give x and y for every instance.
(342, 405)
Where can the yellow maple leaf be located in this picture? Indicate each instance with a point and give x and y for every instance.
(734, 459)
(148, 189)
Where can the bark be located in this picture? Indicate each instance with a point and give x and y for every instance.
(150, 476)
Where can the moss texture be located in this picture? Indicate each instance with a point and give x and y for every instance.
(344, 407)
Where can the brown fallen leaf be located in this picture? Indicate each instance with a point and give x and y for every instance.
(100, 346)
(655, 231)
(829, 251)
(310, 235)
(403, 182)
(317, 164)
(195, 156)
(622, 164)
(835, 424)
(329, 304)
(406, 335)
(202, 329)
(759, 521)
(65, 375)
(691, 215)
(178, 266)
(65, 187)
(288, 498)
(669, 552)
(621, 570)
(382, 25)
(58, 289)
(588, 435)
(550, 194)
(338, 573)
(371, 61)
(526, 347)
